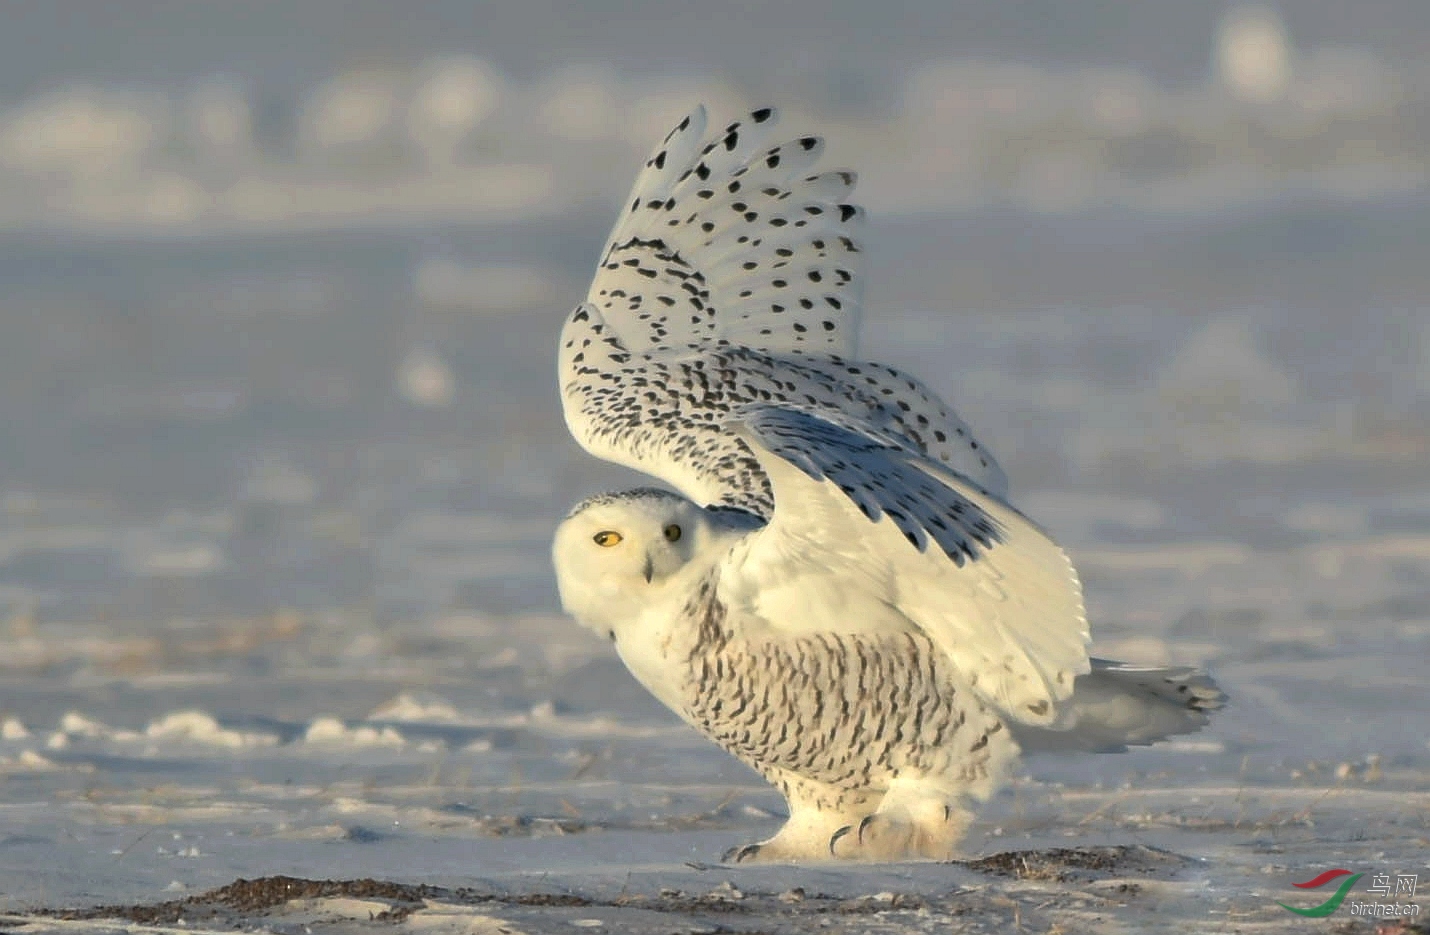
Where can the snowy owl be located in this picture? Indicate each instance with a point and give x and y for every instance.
(843, 598)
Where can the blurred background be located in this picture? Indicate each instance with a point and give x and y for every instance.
(280, 282)
(281, 451)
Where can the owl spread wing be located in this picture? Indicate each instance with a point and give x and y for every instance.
(733, 276)
(730, 239)
(858, 512)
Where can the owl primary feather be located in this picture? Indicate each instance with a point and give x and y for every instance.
(841, 595)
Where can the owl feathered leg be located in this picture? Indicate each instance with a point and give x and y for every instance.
(816, 811)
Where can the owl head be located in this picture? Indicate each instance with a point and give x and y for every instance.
(615, 550)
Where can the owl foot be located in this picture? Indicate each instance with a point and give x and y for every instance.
(891, 836)
(747, 853)
(780, 849)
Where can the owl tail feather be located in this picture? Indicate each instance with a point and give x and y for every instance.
(1117, 705)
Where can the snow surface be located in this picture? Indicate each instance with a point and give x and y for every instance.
(275, 601)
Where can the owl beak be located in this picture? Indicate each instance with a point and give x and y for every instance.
(649, 570)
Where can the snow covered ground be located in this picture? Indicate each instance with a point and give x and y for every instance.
(315, 636)
(276, 496)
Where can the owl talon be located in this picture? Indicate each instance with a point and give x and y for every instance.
(834, 838)
(738, 855)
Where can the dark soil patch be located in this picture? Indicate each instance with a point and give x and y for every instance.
(256, 896)
(250, 898)
(1065, 863)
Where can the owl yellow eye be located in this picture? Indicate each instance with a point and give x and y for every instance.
(672, 533)
(607, 538)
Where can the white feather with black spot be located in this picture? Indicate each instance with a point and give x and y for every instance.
(731, 239)
(867, 528)
(733, 277)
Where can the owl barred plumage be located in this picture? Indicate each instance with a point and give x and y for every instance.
(802, 705)
(848, 603)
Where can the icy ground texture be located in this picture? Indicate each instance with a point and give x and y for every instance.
(276, 598)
